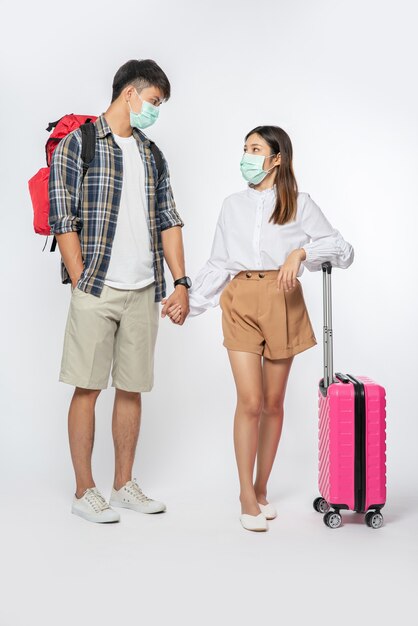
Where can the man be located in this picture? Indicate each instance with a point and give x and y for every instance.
(114, 228)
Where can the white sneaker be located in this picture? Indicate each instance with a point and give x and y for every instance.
(94, 508)
(130, 496)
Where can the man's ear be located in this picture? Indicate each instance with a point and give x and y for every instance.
(127, 92)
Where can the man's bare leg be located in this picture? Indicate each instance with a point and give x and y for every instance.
(81, 426)
(126, 422)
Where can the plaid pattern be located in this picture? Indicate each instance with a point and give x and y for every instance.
(92, 208)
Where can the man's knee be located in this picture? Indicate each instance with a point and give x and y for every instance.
(130, 395)
(88, 394)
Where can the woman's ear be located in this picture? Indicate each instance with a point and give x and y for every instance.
(278, 159)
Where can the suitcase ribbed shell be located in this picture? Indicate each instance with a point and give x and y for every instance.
(337, 444)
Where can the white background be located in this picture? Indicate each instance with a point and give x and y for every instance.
(340, 78)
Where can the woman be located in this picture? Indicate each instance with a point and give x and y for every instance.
(263, 236)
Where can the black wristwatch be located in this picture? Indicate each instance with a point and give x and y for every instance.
(183, 281)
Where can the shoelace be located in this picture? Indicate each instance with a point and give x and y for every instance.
(96, 500)
(136, 491)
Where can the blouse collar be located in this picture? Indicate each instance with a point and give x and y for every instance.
(265, 193)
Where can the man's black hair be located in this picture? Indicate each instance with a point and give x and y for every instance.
(144, 73)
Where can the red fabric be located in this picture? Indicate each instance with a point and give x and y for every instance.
(38, 184)
(66, 125)
(38, 189)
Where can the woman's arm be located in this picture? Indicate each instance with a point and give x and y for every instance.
(212, 277)
(327, 243)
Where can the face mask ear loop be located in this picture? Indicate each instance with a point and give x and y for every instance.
(272, 168)
(129, 105)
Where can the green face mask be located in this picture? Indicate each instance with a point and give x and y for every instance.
(252, 167)
(149, 114)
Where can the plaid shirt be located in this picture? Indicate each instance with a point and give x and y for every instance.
(92, 208)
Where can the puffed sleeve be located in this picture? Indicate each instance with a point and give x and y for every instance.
(326, 243)
(212, 277)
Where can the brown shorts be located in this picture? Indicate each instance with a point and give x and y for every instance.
(258, 318)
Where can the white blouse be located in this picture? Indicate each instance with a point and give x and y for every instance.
(246, 240)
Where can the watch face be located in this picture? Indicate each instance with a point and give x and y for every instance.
(184, 281)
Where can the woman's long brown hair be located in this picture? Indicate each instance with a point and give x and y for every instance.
(285, 182)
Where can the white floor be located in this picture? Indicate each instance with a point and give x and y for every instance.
(195, 565)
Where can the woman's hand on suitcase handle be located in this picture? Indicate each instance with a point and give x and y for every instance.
(288, 271)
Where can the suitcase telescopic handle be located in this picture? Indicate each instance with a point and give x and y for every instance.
(328, 347)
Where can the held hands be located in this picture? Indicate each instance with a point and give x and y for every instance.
(177, 305)
(288, 271)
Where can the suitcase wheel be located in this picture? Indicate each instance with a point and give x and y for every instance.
(374, 519)
(333, 519)
(320, 505)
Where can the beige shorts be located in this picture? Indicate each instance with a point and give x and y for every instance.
(120, 325)
(258, 318)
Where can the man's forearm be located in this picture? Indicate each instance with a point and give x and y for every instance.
(70, 249)
(172, 240)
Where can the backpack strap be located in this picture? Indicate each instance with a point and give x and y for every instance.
(156, 153)
(88, 144)
(88, 150)
(52, 125)
(158, 157)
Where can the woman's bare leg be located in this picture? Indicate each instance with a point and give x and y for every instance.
(275, 377)
(247, 371)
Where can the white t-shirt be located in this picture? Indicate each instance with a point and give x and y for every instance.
(131, 260)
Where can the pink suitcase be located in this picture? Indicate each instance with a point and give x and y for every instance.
(352, 437)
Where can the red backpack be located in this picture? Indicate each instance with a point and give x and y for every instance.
(38, 184)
